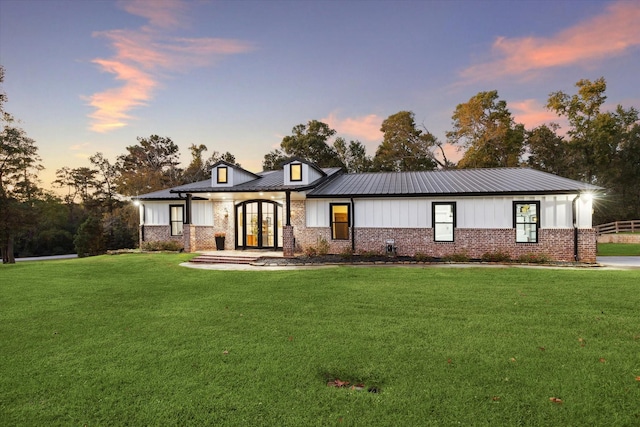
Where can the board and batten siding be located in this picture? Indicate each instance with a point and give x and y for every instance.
(157, 213)
(472, 212)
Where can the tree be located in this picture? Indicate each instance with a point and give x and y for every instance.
(273, 160)
(19, 166)
(150, 165)
(90, 239)
(310, 142)
(353, 156)
(105, 180)
(547, 151)
(405, 147)
(198, 169)
(484, 129)
(602, 147)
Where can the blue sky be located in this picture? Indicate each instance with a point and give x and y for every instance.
(91, 76)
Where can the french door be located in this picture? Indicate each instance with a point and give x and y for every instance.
(259, 225)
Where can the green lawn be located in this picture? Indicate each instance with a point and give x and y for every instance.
(137, 340)
(618, 249)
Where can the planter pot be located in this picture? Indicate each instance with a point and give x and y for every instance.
(220, 243)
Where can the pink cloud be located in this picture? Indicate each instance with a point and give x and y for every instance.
(143, 56)
(614, 32)
(163, 13)
(531, 113)
(366, 128)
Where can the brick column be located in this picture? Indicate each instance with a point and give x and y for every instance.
(288, 246)
(189, 238)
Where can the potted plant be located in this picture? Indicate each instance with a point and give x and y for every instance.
(220, 241)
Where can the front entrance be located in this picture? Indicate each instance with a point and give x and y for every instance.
(259, 225)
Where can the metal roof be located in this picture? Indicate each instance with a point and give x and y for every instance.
(450, 182)
(266, 181)
(467, 182)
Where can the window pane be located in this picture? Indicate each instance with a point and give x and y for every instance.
(526, 216)
(444, 232)
(443, 222)
(222, 175)
(296, 172)
(340, 222)
(176, 219)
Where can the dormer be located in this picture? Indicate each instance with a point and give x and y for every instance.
(300, 172)
(225, 174)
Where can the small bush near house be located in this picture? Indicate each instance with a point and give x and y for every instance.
(165, 245)
(310, 251)
(457, 257)
(323, 246)
(346, 253)
(496, 256)
(421, 257)
(534, 258)
(370, 254)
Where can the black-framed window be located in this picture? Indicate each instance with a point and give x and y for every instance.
(526, 221)
(295, 172)
(340, 215)
(222, 175)
(176, 219)
(444, 221)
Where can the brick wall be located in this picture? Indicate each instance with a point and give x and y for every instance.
(556, 244)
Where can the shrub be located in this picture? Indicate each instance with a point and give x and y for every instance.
(323, 246)
(496, 256)
(370, 254)
(310, 251)
(90, 239)
(421, 257)
(346, 253)
(163, 245)
(534, 258)
(456, 257)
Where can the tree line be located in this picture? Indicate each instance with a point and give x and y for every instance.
(94, 215)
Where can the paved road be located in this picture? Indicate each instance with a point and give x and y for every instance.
(47, 258)
(619, 261)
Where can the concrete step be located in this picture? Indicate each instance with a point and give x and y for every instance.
(215, 259)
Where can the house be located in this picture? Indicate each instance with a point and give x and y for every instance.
(518, 211)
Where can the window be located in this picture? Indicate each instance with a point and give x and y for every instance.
(340, 221)
(176, 219)
(222, 175)
(526, 220)
(295, 171)
(444, 221)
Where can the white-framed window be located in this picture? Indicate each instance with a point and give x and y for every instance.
(526, 221)
(444, 221)
(176, 219)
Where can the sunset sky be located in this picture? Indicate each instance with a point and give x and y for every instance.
(87, 76)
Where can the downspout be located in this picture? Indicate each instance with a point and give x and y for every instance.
(574, 210)
(144, 219)
(353, 226)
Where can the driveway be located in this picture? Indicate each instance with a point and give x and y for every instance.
(47, 258)
(619, 261)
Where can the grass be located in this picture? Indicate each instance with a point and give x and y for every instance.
(137, 340)
(618, 249)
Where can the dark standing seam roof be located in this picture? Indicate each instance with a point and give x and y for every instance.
(450, 182)
(266, 181)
